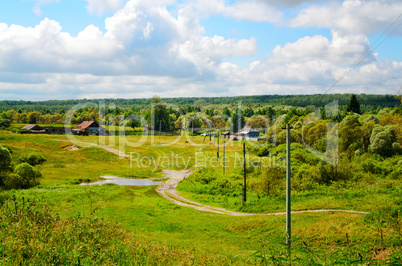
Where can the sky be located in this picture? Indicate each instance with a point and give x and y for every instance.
(74, 49)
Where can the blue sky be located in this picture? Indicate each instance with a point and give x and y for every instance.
(68, 49)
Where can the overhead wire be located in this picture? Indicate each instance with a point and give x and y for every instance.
(367, 52)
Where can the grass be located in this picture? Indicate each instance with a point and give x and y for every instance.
(163, 227)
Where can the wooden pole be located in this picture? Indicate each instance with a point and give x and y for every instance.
(244, 170)
(223, 157)
(288, 189)
(218, 147)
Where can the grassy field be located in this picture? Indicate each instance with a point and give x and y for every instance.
(139, 213)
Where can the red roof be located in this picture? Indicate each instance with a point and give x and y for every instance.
(86, 124)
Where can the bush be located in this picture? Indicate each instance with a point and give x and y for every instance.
(24, 176)
(372, 118)
(264, 151)
(5, 123)
(382, 139)
(32, 158)
(5, 159)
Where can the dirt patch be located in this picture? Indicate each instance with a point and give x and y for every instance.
(72, 148)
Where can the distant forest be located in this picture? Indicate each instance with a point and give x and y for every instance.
(367, 101)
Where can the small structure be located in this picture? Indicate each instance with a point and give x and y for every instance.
(225, 135)
(248, 133)
(33, 128)
(88, 127)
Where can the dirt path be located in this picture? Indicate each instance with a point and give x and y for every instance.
(115, 151)
(169, 192)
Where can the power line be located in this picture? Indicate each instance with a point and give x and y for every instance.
(366, 53)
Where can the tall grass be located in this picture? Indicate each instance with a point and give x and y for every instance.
(32, 234)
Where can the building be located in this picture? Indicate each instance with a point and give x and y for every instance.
(32, 128)
(248, 133)
(87, 128)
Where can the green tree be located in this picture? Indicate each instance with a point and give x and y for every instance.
(382, 139)
(5, 123)
(354, 105)
(248, 112)
(226, 113)
(237, 121)
(24, 176)
(159, 116)
(349, 132)
(5, 159)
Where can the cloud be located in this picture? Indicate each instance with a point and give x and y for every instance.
(148, 49)
(351, 16)
(38, 3)
(100, 7)
(251, 10)
(140, 39)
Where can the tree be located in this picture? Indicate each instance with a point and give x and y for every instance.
(4, 123)
(382, 140)
(237, 121)
(226, 113)
(160, 115)
(349, 132)
(354, 105)
(24, 176)
(5, 159)
(248, 112)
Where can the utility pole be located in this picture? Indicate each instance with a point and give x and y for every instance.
(218, 148)
(160, 128)
(244, 170)
(223, 157)
(288, 189)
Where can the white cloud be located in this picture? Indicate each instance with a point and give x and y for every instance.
(36, 8)
(100, 7)
(148, 49)
(351, 16)
(252, 10)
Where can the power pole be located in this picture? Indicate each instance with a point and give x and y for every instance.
(288, 189)
(223, 157)
(218, 148)
(160, 128)
(244, 170)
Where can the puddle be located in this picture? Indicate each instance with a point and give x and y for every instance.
(123, 181)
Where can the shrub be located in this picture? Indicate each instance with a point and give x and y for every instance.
(382, 139)
(5, 159)
(5, 123)
(32, 158)
(372, 118)
(24, 176)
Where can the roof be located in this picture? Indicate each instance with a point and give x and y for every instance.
(85, 125)
(247, 129)
(31, 127)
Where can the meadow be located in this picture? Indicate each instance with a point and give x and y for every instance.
(113, 224)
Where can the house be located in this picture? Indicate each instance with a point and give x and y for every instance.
(33, 128)
(248, 133)
(88, 127)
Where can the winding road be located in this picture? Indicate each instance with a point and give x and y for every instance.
(168, 191)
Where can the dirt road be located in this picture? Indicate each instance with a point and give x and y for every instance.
(169, 192)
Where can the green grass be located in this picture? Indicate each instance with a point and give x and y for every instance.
(163, 227)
